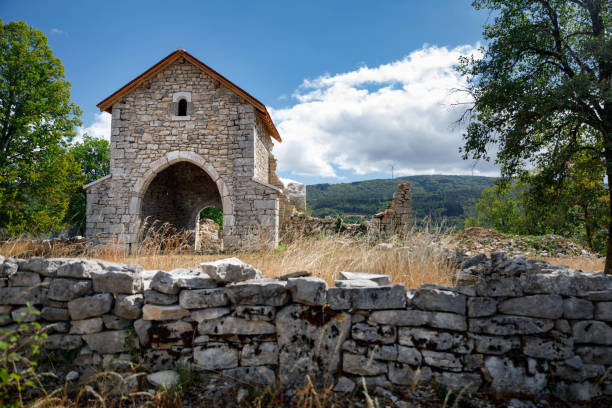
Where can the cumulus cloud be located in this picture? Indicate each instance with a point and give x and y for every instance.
(367, 120)
(101, 127)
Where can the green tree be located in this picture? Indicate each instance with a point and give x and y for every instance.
(498, 208)
(213, 213)
(542, 86)
(37, 121)
(93, 154)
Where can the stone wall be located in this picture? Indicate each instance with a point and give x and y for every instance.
(397, 219)
(524, 327)
(222, 135)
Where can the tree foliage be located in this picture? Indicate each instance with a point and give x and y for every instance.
(37, 121)
(575, 208)
(93, 155)
(541, 88)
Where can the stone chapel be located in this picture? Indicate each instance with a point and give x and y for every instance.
(184, 137)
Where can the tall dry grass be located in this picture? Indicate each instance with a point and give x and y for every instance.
(419, 257)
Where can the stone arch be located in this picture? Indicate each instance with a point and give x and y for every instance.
(169, 159)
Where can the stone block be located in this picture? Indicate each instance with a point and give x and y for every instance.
(166, 282)
(502, 325)
(494, 345)
(43, 266)
(355, 283)
(210, 313)
(595, 354)
(400, 317)
(25, 314)
(62, 341)
(201, 298)
(129, 306)
(548, 349)
(309, 341)
(252, 312)
(115, 323)
(544, 306)
(566, 282)
(508, 377)
(252, 375)
(466, 383)
(504, 287)
(576, 308)
(215, 356)
(361, 365)
(269, 292)
(90, 306)
(78, 269)
(234, 325)
(309, 291)
(403, 374)
(157, 312)
(409, 355)
(230, 270)
(256, 354)
(443, 360)
(18, 295)
(86, 326)
(127, 280)
(54, 314)
(603, 311)
(108, 342)
(379, 279)
(592, 331)
(374, 334)
(436, 340)
(158, 298)
(142, 328)
(24, 279)
(439, 300)
(450, 321)
(68, 289)
(481, 306)
(384, 297)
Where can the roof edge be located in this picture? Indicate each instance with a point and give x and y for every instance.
(107, 103)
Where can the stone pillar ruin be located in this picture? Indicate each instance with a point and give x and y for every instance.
(397, 219)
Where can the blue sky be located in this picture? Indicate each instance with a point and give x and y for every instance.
(349, 83)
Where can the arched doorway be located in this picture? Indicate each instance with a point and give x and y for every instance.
(174, 199)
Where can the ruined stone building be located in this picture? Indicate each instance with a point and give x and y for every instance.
(397, 219)
(183, 138)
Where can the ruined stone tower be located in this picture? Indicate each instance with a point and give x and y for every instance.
(183, 138)
(397, 219)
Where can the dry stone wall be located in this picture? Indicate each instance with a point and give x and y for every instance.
(524, 327)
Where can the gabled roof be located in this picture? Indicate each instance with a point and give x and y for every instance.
(107, 104)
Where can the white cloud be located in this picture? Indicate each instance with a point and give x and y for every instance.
(57, 31)
(366, 120)
(101, 127)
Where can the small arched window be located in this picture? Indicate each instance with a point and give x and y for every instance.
(182, 108)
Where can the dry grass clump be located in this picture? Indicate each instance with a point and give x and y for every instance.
(419, 257)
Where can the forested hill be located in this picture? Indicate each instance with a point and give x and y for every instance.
(450, 197)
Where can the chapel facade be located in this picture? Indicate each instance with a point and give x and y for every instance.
(183, 138)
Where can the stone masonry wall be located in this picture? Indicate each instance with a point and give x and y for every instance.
(528, 328)
(218, 135)
(397, 219)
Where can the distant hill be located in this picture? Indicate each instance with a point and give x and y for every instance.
(449, 198)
